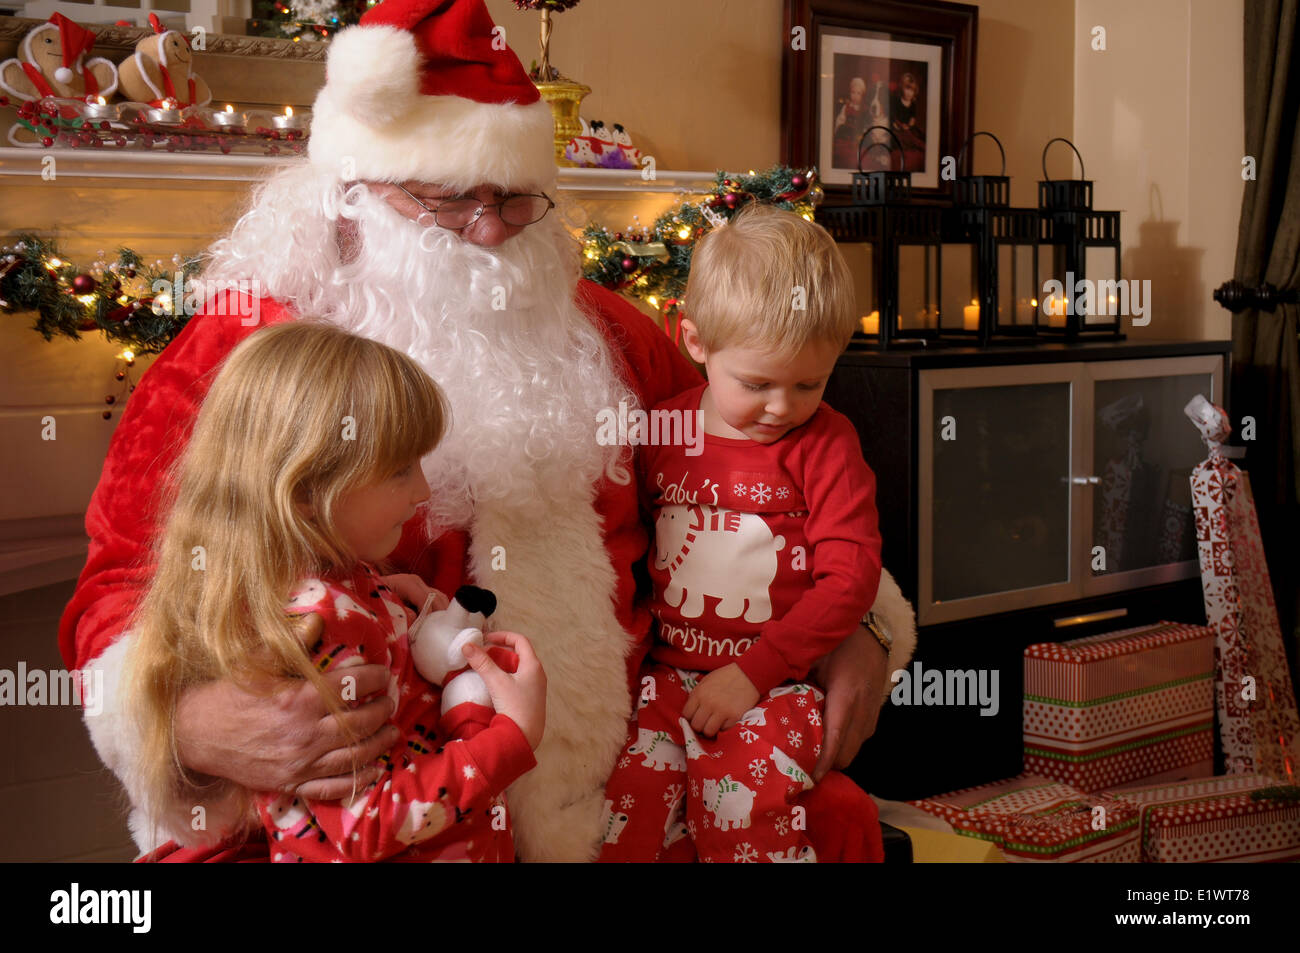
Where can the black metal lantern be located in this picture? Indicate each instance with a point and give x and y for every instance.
(1082, 291)
(905, 294)
(1003, 248)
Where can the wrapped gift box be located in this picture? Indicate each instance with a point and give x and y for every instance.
(1121, 707)
(1214, 820)
(1032, 819)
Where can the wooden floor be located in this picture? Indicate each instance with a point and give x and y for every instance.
(57, 802)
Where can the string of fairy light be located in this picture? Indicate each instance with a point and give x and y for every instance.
(652, 263)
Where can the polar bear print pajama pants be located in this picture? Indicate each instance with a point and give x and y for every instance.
(733, 795)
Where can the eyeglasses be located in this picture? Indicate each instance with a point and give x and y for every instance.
(461, 212)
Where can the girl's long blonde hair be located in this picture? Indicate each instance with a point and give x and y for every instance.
(299, 414)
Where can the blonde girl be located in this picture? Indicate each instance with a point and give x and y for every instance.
(303, 467)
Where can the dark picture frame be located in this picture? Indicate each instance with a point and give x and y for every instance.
(907, 66)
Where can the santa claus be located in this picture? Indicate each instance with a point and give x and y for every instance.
(421, 220)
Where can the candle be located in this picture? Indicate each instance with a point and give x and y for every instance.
(229, 119)
(288, 120)
(166, 113)
(100, 109)
(1055, 307)
(971, 316)
(871, 323)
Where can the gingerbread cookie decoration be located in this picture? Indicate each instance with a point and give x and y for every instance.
(160, 69)
(52, 62)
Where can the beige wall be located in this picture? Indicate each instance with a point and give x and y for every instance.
(1158, 117)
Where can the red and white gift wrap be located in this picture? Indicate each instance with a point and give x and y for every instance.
(1258, 725)
(1215, 820)
(1035, 820)
(1124, 706)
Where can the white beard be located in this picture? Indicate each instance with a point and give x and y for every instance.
(520, 464)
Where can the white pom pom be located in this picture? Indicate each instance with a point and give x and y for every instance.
(63, 74)
(375, 72)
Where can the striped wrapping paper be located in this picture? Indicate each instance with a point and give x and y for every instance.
(1121, 707)
(1035, 820)
(1214, 820)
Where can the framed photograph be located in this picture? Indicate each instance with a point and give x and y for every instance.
(879, 85)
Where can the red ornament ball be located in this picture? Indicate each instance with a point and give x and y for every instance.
(47, 141)
(84, 284)
(731, 200)
(107, 415)
(110, 400)
(628, 265)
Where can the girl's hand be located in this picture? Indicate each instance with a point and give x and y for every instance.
(414, 590)
(719, 700)
(521, 696)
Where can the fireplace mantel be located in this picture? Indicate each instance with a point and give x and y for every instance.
(211, 167)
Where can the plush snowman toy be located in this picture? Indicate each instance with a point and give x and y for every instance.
(437, 641)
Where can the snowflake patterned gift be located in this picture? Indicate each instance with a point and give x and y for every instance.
(1259, 728)
(1216, 820)
(1033, 820)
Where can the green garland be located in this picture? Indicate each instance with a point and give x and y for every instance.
(653, 264)
(117, 299)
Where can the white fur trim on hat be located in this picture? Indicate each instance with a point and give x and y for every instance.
(370, 122)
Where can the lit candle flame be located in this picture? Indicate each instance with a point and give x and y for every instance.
(229, 108)
(288, 110)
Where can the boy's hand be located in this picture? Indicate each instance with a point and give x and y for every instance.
(719, 700)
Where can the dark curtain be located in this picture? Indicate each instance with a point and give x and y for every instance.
(1266, 356)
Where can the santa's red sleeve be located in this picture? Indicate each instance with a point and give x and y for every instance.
(123, 516)
(652, 364)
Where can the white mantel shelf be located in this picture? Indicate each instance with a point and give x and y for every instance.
(207, 167)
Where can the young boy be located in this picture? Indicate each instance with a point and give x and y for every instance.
(767, 554)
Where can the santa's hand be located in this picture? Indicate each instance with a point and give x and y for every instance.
(521, 696)
(854, 677)
(719, 700)
(285, 738)
(415, 590)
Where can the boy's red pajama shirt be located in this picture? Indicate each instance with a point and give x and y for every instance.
(766, 556)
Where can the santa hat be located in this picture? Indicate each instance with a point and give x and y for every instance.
(428, 90)
(76, 41)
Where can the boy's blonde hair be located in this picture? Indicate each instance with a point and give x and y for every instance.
(299, 414)
(749, 277)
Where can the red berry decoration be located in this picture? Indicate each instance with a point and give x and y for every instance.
(120, 375)
(110, 400)
(130, 272)
(618, 236)
(84, 284)
(104, 125)
(107, 415)
(47, 141)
